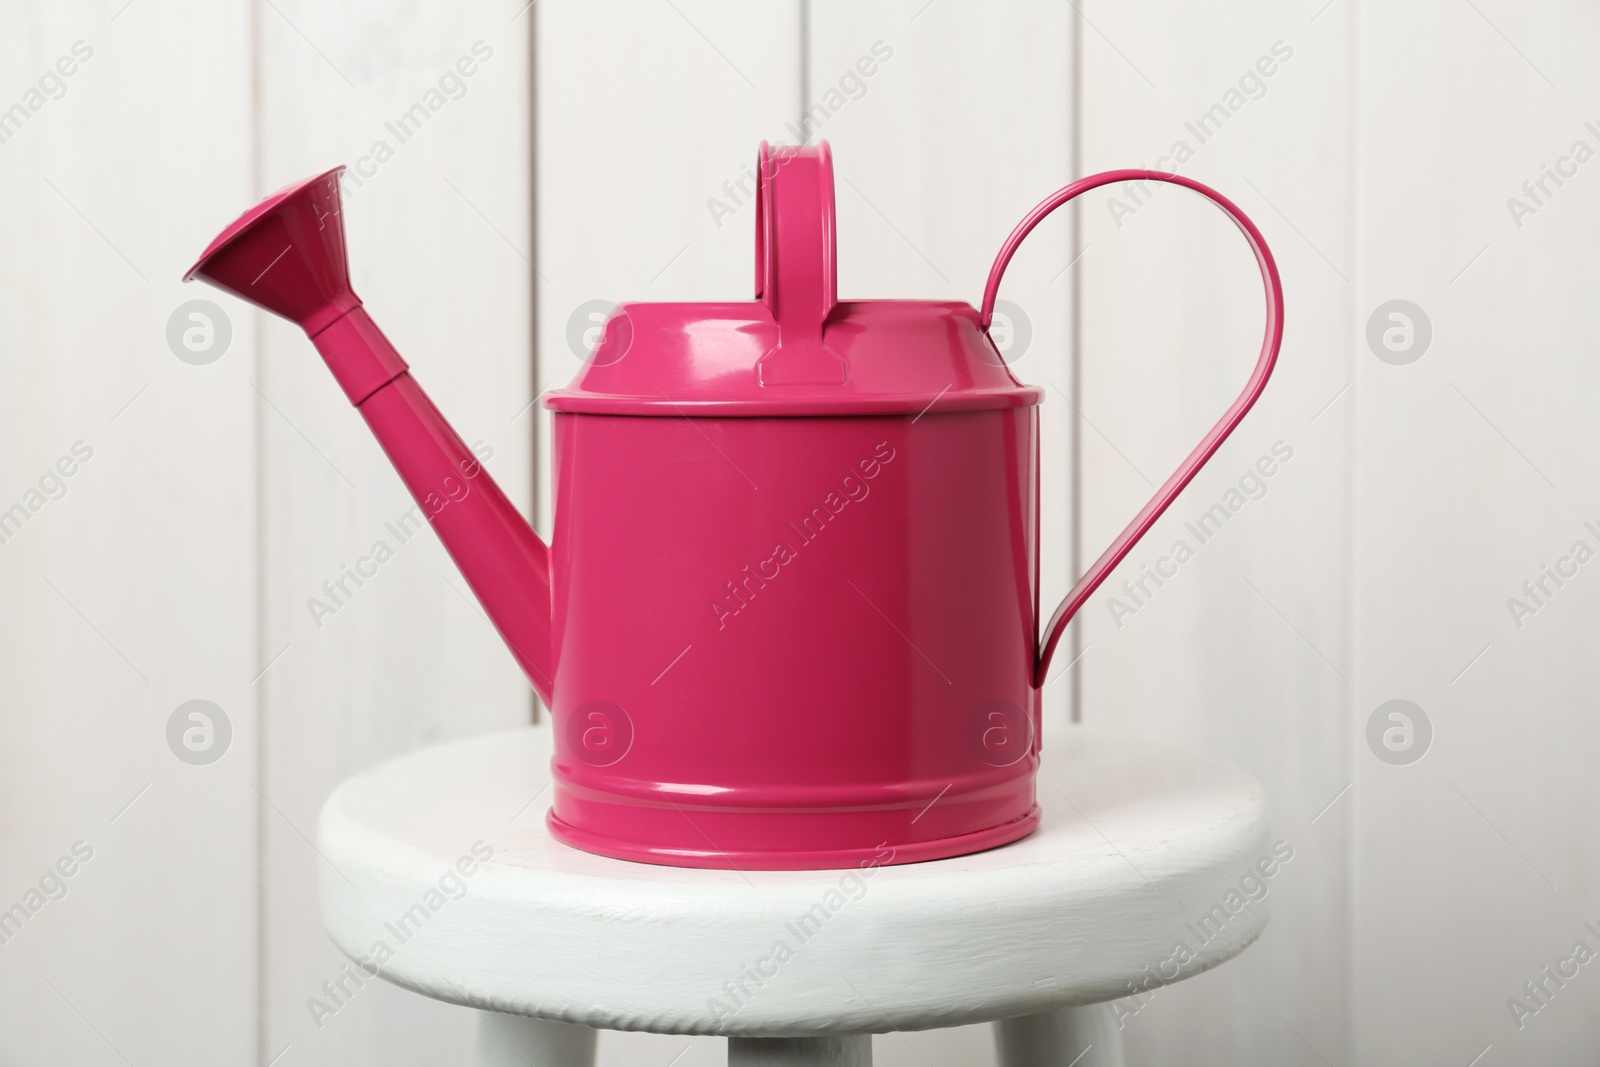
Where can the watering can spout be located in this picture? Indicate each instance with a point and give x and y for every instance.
(287, 255)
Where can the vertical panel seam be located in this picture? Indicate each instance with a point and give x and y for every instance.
(1354, 232)
(805, 69)
(535, 360)
(258, 337)
(1075, 111)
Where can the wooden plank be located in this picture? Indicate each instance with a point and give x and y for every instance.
(645, 112)
(438, 218)
(1476, 473)
(934, 171)
(1245, 650)
(129, 585)
(629, 177)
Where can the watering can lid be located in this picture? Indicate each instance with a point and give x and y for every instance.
(796, 349)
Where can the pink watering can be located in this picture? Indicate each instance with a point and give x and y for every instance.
(788, 614)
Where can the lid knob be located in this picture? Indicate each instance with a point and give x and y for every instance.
(796, 276)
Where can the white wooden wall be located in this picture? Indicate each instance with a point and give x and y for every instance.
(575, 166)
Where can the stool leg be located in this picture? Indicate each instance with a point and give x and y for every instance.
(1070, 1037)
(854, 1050)
(516, 1041)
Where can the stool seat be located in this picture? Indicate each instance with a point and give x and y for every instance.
(442, 877)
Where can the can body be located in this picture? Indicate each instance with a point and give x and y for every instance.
(794, 642)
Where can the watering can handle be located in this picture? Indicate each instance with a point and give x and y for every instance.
(796, 272)
(796, 276)
(1209, 444)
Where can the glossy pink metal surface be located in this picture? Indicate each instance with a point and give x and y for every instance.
(783, 640)
(788, 616)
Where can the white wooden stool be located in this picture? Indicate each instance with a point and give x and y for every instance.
(444, 879)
